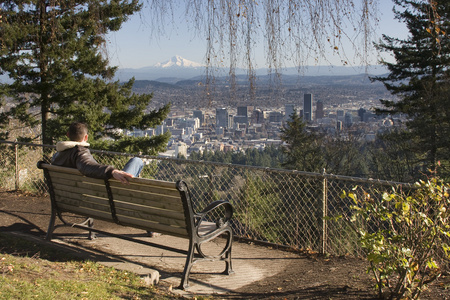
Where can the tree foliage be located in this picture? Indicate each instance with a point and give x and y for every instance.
(405, 238)
(260, 209)
(303, 148)
(270, 157)
(420, 77)
(52, 52)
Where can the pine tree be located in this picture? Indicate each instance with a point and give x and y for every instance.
(53, 53)
(303, 149)
(420, 78)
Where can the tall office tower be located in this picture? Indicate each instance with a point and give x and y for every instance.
(230, 121)
(221, 117)
(348, 119)
(289, 109)
(307, 107)
(242, 111)
(242, 114)
(319, 110)
(257, 117)
(199, 114)
(361, 113)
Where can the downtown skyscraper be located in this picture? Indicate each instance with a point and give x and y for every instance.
(308, 107)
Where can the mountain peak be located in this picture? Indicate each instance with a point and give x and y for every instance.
(178, 61)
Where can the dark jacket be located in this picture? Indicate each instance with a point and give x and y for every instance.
(77, 155)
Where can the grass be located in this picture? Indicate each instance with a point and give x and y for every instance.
(31, 271)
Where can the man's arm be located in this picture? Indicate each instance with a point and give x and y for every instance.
(121, 176)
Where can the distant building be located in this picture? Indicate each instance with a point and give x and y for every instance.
(240, 119)
(175, 132)
(180, 149)
(348, 120)
(230, 121)
(275, 117)
(242, 115)
(193, 123)
(220, 131)
(307, 107)
(242, 111)
(160, 129)
(289, 110)
(319, 110)
(199, 114)
(257, 117)
(340, 115)
(168, 122)
(222, 118)
(361, 113)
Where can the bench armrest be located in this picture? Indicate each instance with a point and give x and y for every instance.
(219, 224)
(213, 205)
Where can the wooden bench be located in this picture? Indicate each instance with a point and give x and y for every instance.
(153, 205)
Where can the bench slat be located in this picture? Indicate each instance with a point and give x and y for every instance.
(82, 190)
(87, 212)
(76, 177)
(139, 215)
(151, 226)
(152, 182)
(69, 182)
(177, 215)
(139, 188)
(79, 201)
(63, 195)
(154, 201)
(145, 181)
(79, 182)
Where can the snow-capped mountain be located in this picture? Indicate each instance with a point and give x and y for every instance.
(178, 68)
(178, 61)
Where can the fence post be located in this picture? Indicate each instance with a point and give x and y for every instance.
(324, 213)
(16, 155)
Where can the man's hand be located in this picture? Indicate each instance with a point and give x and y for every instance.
(121, 176)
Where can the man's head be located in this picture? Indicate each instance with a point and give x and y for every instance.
(78, 132)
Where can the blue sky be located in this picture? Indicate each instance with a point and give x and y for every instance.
(133, 46)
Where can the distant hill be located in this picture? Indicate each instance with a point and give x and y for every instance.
(178, 68)
(152, 84)
(288, 81)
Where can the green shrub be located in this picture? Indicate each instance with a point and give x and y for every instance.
(405, 237)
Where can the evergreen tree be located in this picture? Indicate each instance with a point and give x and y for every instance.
(420, 78)
(303, 149)
(52, 52)
(390, 157)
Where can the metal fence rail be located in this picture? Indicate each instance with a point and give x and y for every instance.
(282, 207)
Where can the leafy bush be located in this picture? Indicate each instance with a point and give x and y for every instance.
(405, 236)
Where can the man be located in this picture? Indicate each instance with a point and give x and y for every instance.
(75, 154)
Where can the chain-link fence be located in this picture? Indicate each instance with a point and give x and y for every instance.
(280, 207)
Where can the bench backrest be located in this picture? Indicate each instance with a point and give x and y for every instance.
(153, 205)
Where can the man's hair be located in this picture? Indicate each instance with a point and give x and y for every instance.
(77, 131)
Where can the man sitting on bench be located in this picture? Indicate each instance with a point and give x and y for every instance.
(75, 154)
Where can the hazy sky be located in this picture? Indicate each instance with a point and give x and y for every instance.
(134, 47)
